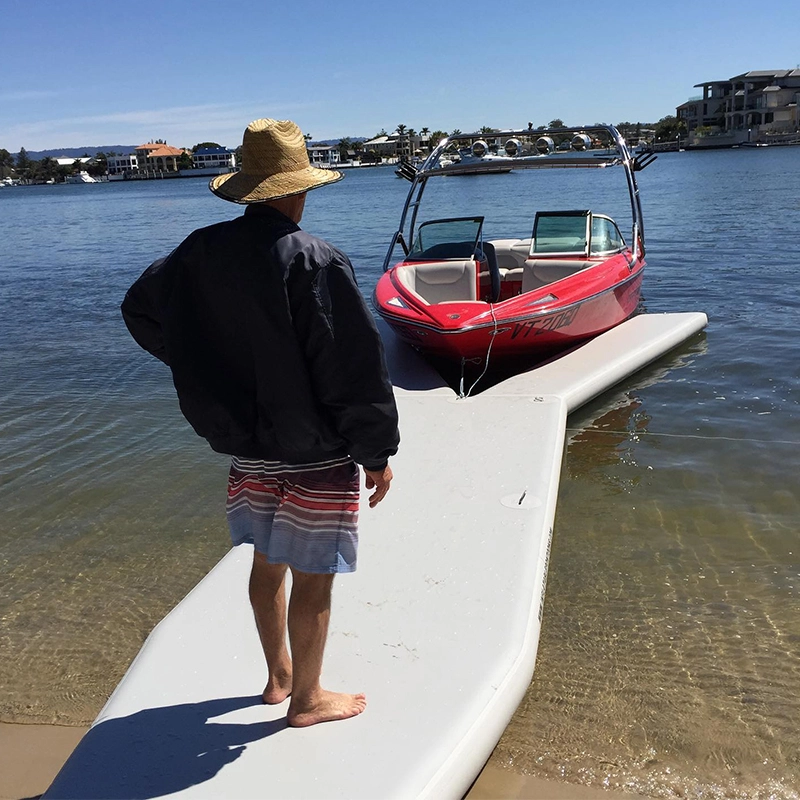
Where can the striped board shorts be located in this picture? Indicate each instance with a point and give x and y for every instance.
(302, 515)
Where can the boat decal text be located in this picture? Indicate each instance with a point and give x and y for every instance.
(539, 326)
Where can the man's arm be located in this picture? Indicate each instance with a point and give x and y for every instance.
(348, 368)
(140, 310)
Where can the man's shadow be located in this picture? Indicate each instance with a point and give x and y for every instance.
(158, 751)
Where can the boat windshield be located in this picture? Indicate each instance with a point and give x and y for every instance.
(446, 238)
(560, 232)
(606, 237)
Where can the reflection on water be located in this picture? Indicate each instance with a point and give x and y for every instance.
(669, 660)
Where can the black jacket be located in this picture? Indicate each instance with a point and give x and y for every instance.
(274, 353)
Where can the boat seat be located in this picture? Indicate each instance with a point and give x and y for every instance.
(510, 253)
(441, 282)
(512, 275)
(539, 272)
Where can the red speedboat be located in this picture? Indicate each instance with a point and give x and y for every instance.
(465, 296)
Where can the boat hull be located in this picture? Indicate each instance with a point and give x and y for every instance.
(512, 333)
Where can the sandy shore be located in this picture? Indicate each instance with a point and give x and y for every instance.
(31, 755)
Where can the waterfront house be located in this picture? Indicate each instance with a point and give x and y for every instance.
(323, 155)
(119, 165)
(214, 157)
(751, 107)
(158, 157)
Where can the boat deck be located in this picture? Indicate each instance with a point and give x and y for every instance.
(439, 626)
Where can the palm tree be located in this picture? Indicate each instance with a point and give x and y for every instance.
(343, 146)
(435, 138)
(424, 139)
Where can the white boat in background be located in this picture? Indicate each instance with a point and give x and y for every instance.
(478, 159)
(81, 177)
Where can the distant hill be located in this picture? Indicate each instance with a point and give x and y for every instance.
(77, 152)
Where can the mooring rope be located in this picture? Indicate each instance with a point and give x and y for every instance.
(461, 394)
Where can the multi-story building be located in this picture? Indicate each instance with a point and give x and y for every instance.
(214, 157)
(158, 157)
(747, 107)
(323, 155)
(119, 165)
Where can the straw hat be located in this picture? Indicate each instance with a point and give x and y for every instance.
(274, 164)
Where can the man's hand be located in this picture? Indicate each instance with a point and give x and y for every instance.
(379, 480)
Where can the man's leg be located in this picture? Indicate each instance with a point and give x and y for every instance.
(268, 598)
(309, 614)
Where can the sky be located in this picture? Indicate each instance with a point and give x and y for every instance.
(81, 73)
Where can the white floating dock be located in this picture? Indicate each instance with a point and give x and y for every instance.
(439, 626)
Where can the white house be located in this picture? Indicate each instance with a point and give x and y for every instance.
(214, 157)
(323, 155)
(119, 165)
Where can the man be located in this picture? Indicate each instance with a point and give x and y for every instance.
(277, 362)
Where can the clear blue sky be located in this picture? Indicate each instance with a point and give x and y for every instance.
(79, 73)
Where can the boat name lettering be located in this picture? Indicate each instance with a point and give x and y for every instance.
(552, 323)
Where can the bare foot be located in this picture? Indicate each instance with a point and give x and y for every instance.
(278, 688)
(325, 707)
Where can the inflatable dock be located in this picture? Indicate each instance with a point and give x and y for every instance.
(439, 626)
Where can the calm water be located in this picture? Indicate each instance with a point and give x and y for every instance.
(669, 661)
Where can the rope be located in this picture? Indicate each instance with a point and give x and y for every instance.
(463, 396)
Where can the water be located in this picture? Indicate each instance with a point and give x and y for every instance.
(669, 661)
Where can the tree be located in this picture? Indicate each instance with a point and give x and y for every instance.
(24, 163)
(435, 138)
(185, 161)
(6, 162)
(456, 132)
(343, 147)
(47, 169)
(201, 145)
(669, 128)
(98, 165)
(555, 123)
(401, 129)
(485, 129)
